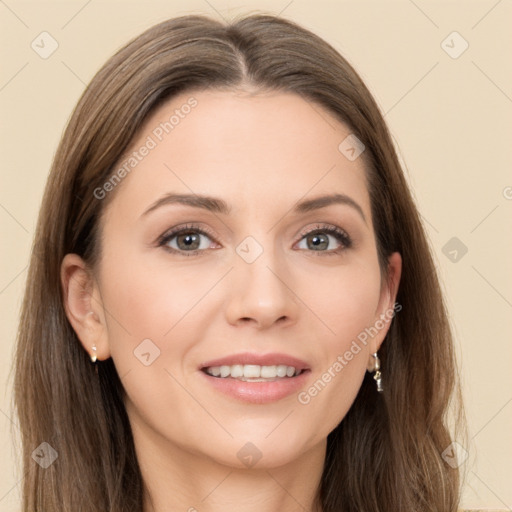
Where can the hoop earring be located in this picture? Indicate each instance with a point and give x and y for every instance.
(378, 375)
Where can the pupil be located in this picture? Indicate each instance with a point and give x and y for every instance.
(317, 241)
(189, 240)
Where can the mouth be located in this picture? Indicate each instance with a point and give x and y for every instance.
(256, 378)
(253, 367)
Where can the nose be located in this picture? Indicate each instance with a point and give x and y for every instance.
(261, 292)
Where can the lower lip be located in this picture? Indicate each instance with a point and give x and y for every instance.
(258, 392)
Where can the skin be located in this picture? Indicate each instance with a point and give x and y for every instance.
(261, 154)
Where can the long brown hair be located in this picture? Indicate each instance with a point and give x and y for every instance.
(386, 454)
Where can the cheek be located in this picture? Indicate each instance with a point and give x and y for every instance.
(147, 309)
(347, 306)
(345, 300)
(145, 300)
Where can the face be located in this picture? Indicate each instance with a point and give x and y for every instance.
(262, 272)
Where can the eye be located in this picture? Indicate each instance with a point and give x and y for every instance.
(318, 239)
(186, 240)
(189, 240)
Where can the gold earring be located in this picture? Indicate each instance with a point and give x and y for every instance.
(378, 375)
(94, 357)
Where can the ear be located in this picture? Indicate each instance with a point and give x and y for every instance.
(386, 308)
(83, 305)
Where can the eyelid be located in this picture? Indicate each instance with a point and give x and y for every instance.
(170, 233)
(323, 226)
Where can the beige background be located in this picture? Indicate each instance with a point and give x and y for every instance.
(451, 119)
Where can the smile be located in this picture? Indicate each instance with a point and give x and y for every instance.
(252, 372)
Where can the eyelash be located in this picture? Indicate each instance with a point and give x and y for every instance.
(338, 233)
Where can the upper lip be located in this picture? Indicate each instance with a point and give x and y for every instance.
(271, 359)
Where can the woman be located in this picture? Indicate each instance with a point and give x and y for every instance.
(231, 303)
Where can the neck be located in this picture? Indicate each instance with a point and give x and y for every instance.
(179, 479)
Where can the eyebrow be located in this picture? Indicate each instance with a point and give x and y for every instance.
(217, 205)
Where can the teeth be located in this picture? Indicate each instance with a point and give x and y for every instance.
(237, 370)
(252, 371)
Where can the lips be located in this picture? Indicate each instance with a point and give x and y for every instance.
(272, 359)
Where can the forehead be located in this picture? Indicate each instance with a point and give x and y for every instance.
(254, 150)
